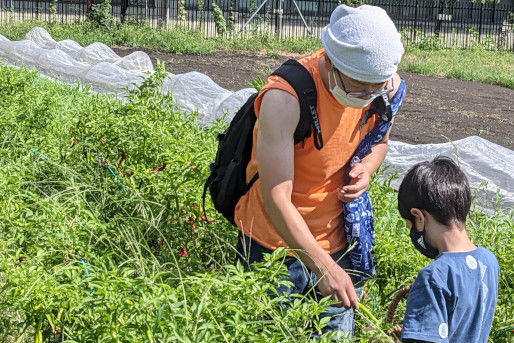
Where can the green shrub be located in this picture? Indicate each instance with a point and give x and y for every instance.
(182, 12)
(100, 14)
(219, 19)
(52, 9)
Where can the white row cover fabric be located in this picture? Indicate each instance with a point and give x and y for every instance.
(489, 167)
(106, 76)
(41, 37)
(95, 64)
(70, 47)
(96, 53)
(229, 106)
(195, 91)
(137, 62)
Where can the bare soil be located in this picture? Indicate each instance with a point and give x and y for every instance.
(436, 109)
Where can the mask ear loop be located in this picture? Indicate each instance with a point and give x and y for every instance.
(331, 72)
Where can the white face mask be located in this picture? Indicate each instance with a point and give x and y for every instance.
(341, 97)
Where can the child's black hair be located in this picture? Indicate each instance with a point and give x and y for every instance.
(439, 187)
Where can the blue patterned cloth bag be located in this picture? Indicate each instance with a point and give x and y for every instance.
(358, 214)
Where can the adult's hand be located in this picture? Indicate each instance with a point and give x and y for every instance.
(338, 284)
(359, 182)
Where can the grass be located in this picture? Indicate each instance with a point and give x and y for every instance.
(477, 64)
(474, 64)
(177, 40)
(98, 245)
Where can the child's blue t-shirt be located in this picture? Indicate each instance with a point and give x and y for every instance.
(453, 298)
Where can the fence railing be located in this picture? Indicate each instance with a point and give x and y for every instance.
(453, 23)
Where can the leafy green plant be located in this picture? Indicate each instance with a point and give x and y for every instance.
(200, 5)
(352, 3)
(219, 19)
(100, 14)
(52, 10)
(257, 83)
(182, 12)
(231, 20)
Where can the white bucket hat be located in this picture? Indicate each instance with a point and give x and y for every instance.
(363, 43)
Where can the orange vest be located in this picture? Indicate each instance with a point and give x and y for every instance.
(317, 173)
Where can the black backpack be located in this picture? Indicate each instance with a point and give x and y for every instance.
(227, 179)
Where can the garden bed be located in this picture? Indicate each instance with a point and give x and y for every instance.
(103, 238)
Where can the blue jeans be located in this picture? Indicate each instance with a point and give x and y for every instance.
(341, 319)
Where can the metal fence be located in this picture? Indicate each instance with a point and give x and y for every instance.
(452, 23)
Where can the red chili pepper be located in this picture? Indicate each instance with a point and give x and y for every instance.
(192, 223)
(183, 252)
(73, 144)
(204, 218)
(161, 168)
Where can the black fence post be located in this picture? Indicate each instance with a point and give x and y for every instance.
(439, 18)
(415, 21)
(493, 21)
(123, 10)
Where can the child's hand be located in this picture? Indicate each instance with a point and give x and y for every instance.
(359, 182)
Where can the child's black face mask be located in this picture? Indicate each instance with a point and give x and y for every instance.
(418, 238)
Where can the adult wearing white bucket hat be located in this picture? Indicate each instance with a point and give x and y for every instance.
(363, 43)
(297, 200)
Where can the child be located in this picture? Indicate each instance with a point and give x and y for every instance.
(453, 298)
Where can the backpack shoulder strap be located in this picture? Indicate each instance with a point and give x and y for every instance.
(301, 80)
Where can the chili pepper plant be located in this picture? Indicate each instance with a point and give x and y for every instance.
(102, 235)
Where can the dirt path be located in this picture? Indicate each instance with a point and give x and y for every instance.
(436, 109)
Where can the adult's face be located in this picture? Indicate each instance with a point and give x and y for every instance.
(359, 89)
